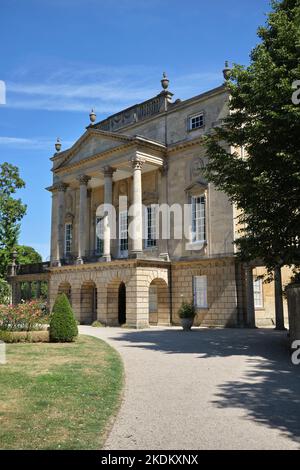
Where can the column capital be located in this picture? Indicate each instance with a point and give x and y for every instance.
(137, 163)
(83, 179)
(108, 170)
(60, 186)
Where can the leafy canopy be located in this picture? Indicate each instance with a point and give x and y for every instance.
(265, 184)
(12, 210)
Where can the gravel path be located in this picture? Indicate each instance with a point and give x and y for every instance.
(206, 389)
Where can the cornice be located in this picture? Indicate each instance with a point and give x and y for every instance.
(183, 144)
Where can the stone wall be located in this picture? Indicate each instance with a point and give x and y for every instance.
(221, 290)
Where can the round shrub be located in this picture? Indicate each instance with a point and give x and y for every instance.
(187, 310)
(63, 326)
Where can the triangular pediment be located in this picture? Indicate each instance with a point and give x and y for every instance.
(198, 185)
(91, 143)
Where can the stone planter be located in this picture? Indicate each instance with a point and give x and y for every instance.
(187, 323)
(293, 300)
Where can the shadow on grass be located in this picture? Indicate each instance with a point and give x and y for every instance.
(269, 391)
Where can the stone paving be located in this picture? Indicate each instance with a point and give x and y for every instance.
(206, 389)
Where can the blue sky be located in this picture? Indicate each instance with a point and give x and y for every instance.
(60, 58)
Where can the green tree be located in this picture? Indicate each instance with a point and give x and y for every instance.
(27, 255)
(63, 326)
(12, 211)
(265, 185)
(4, 292)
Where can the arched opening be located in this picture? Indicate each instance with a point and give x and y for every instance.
(159, 303)
(116, 303)
(65, 288)
(88, 303)
(122, 304)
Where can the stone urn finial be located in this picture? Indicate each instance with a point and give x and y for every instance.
(58, 144)
(14, 256)
(165, 81)
(226, 71)
(92, 116)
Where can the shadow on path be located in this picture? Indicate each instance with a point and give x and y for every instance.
(269, 391)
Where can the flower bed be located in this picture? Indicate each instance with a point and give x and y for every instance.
(25, 322)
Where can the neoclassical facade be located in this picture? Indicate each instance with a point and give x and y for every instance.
(149, 156)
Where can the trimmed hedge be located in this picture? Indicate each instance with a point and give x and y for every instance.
(63, 326)
(24, 336)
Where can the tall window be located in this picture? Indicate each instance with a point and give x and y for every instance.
(198, 218)
(123, 232)
(68, 239)
(151, 212)
(200, 291)
(258, 292)
(99, 236)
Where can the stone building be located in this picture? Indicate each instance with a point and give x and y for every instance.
(148, 155)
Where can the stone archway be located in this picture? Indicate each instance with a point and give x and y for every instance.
(116, 302)
(88, 303)
(65, 288)
(159, 302)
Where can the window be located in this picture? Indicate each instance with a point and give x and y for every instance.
(195, 122)
(153, 299)
(68, 239)
(99, 236)
(151, 213)
(200, 291)
(123, 232)
(258, 292)
(198, 218)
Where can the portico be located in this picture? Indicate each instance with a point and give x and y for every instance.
(129, 163)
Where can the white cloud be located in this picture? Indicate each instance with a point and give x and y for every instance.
(37, 143)
(79, 87)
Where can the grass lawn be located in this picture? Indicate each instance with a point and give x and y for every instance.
(59, 396)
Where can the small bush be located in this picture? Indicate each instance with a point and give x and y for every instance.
(24, 336)
(187, 310)
(97, 324)
(63, 326)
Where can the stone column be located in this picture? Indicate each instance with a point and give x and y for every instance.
(250, 297)
(15, 293)
(137, 215)
(38, 289)
(108, 174)
(279, 316)
(29, 291)
(82, 226)
(163, 243)
(61, 188)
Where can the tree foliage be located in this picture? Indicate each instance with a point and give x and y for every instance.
(265, 185)
(27, 255)
(12, 211)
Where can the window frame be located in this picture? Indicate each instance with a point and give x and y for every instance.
(258, 301)
(68, 239)
(99, 240)
(123, 247)
(152, 228)
(203, 295)
(201, 117)
(195, 222)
